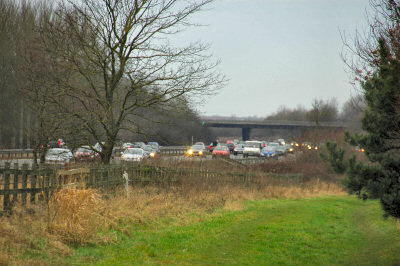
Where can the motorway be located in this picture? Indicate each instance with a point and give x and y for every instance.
(239, 158)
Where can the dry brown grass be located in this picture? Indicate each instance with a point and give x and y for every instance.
(75, 216)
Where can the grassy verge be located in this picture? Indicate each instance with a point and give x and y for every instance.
(284, 214)
(318, 231)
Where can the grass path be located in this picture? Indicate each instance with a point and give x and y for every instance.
(318, 231)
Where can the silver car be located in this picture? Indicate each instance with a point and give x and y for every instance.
(133, 155)
(59, 155)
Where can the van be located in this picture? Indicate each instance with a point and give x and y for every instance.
(252, 148)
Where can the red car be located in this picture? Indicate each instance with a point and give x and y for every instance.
(84, 153)
(220, 151)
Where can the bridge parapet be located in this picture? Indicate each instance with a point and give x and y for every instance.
(269, 124)
(246, 126)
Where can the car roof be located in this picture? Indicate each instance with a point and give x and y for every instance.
(59, 149)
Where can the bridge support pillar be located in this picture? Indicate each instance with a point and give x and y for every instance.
(246, 133)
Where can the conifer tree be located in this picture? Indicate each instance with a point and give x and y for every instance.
(380, 177)
(377, 68)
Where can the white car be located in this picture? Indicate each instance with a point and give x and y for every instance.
(133, 155)
(252, 148)
(58, 155)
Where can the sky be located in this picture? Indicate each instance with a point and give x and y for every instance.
(277, 52)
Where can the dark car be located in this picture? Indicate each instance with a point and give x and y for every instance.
(56, 144)
(212, 146)
(231, 146)
(155, 145)
(149, 151)
(238, 149)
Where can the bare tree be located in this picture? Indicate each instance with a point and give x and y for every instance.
(361, 50)
(119, 61)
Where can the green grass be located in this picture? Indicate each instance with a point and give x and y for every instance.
(319, 231)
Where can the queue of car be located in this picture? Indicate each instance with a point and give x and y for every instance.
(139, 151)
(59, 153)
(257, 148)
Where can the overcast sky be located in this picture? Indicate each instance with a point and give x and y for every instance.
(278, 52)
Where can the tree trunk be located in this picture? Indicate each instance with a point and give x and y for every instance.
(21, 126)
(28, 131)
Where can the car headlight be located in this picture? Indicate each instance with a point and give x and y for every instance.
(190, 152)
(200, 153)
(152, 154)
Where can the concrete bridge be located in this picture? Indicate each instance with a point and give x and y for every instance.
(247, 126)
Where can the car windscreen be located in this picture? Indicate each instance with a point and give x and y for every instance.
(197, 147)
(134, 151)
(57, 152)
(82, 149)
(252, 145)
(154, 144)
(148, 148)
(274, 144)
(221, 148)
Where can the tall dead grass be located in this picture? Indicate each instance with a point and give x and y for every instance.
(75, 214)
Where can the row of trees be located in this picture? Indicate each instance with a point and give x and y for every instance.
(325, 111)
(99, 71)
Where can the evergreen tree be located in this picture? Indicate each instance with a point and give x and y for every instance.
(377, 67)
(380, 176)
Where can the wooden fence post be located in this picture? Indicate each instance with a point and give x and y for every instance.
(6, 200)
(46, 184)
(24, 183)
(33, 185)
(106, 173)
(15, 183)
(53, 183)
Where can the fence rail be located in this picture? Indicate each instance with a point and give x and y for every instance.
(26, 186)
(16, 154)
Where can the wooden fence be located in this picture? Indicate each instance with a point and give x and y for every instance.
(26, 186)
